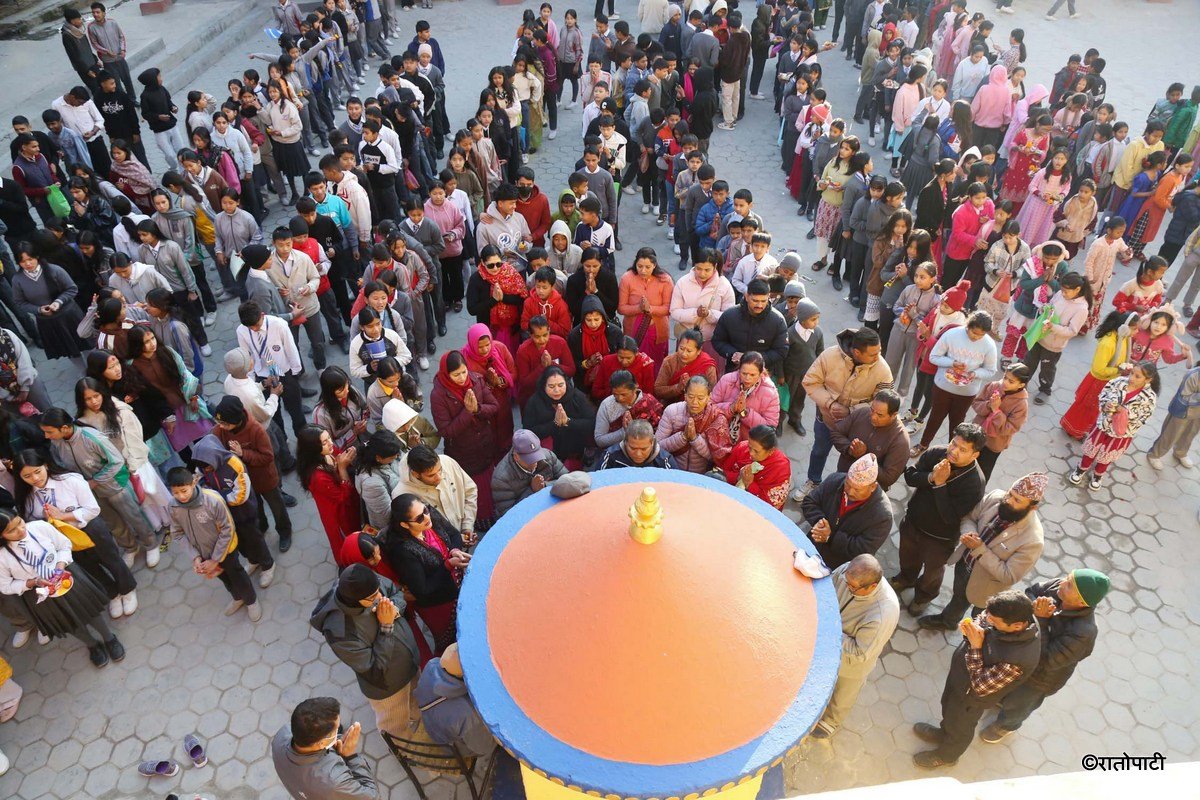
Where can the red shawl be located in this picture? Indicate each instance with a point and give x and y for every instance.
(443, 377)
(700, 365)
(504, 316)
(771, 483)
(498, 358)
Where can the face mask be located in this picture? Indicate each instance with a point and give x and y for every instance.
(524, 192)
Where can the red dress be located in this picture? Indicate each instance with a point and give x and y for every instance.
(772, 483)
(337, 505)
(1022, 166)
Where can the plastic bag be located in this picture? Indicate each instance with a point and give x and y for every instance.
(58, 203)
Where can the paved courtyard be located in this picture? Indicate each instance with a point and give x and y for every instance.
(80, 731)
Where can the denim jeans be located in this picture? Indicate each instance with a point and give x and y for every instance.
(822, 444)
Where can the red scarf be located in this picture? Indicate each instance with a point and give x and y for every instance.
(699, 367)
(504, 316)
(594, 341)
(443, 377)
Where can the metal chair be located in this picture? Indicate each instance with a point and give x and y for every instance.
(446, 758)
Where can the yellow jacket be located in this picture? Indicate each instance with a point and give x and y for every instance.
(1103, 358)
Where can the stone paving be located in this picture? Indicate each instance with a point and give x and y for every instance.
(80, 731)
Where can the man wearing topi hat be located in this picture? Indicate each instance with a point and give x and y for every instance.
(848, 514)
(1065, 610)
(1001, 541)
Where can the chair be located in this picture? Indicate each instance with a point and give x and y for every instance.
(446, 758)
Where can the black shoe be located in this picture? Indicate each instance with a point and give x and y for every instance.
(812, 233)
(441, 330)
(860, 121)
(98, 655)
(432, 348)
(931, 760)
(929, 733)
(285, 542)
(458, 306)
(837, 283)
(116, 650)
(307, 392)
(288, 500)
(618, 245)
(854, 301)
(291, 201)
(811, 215)
(935, 622)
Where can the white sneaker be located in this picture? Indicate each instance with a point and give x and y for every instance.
(3, 763)
(553, 134)
(524, 158)
(129, 558)
(1154, 462)
(423, 362)
(209, 319)
(254, 611)
(152, 557)
(1052, 18)
(206, 350)
(914, 426)
(265, 579)
(1076, 16)
(20, 639)
(670, 234)
(1185, 462)
(129, 603)
(677, 250)
(725, 126)
(758, 97)
(645, 208)
(569, 105)
(800, 493)
(43, 639)
(115, 610)
(629, 190)
(233, 607)
(871, 141)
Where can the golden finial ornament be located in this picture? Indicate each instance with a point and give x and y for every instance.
(645, 517)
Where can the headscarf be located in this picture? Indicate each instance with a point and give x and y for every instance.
(504, 316)
(480, 364)
(443, 377)
(594, 341)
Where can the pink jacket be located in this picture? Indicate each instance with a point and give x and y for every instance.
(448, 218)
(992, 106)
(905, 105)
(762, 406)
(966, 224)
(1020, 113)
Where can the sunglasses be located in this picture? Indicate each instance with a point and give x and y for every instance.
(423, 515)
(492, 264)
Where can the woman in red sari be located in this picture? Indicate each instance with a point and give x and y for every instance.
(495, 295)
(760, 467)
(327, 478)
(429, 555)
(1025, 157)
(493, 362)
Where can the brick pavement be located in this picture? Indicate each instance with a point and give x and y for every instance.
(81, 731)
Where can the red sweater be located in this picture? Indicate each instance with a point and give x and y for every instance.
(536, 211)
(642, 369)
(553, 308)
(529, 365)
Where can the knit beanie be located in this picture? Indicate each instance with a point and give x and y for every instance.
(806, 309)
(1092, 584)
(230, 411)
(357, 582)
(794, 289)
(238, 363)
(956, 298)
(255, 255)
(791, 261)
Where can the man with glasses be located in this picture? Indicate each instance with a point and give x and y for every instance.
(870, 611)
(358, 619)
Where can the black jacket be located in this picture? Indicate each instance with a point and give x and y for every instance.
(863, 530)
(156, 103)
(1020, 648)
(931, 208)
(480, 301)
(421, 569)
(738, 331)
(1067, 638)
(79, 51)
(937, 510)
(706, 104)
(14, 211)
(735, 55)
(120, 114)
(606, 289)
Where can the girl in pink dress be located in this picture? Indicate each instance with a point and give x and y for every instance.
(1098, 266)
(1025, 158)
(1046, 192)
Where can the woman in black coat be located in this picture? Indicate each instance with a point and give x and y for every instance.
(427, 553)
(561, 416)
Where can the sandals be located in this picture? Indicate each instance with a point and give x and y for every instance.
(818, 266)
(158, 769)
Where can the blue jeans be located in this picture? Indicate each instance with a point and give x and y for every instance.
(822, 444)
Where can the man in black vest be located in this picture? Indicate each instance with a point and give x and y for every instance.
(999, 652)
(1066, 614)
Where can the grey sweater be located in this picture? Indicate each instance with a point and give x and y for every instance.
(323, 775)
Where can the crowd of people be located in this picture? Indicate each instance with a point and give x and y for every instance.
(987, 240)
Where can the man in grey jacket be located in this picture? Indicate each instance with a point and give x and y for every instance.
(446, 708)
(527, 468)
(870, 612)
(316, 761)
(108, 40)
(358, 619)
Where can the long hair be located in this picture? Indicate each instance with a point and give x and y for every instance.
(332, 379)
(308, 454)
(1112, 321)
(22, 491)
(107, 407)
(1074, 280)
(380, 444)
(137, 338)
(888, 230)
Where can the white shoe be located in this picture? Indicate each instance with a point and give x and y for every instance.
(1076, 16)
(800, 493)
(677, 250)
(645, 208)
(423, 362)
(758, 97)
(129, 558)
(265, 579)
(1154, 462)
(43, 639)
(1052, 18)
(1185, 462)
(20, 639)
(914, 426)
(670, 233)
(233, 607)
(341, 106)
(209, 319)
(129, 603)
(725, 126)
(254, 611)
(152, 557)
(115, 610)
(629, 190)
(524, 158)
(553, 135)
(569, 105)
(206, 350)
(3, 763)
(871, 141)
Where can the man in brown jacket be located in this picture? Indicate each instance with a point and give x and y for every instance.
(846, 375)
(875, 429)
(248, 440)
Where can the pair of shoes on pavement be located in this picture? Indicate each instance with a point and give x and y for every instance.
(123, 605)
(254, 610)
(168, 768)
(102, 652)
